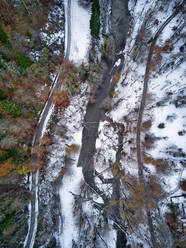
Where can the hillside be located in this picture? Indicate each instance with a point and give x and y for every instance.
(92, 124)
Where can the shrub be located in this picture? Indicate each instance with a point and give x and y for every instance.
(9, 153)
(72, 149)
(11, 108)
(183, 185)
(22, 60)
(4, 39)
(7, 221)
(3, 95)
(6, 167)
(106, 47)
(46, 140)
(7, 142)
(3, 36)
(10, 230)
(116, 77)
(61, 98)
(95, 19)
(23, 170)
(72, 85)
(147, 124)
(11, 158)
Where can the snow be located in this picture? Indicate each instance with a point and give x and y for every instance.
(66, 26)
(50, 110)
(118, 62)
(106, 141)
(72, 179)
(110, 236)
(129, 90)
(56, 37)
(171, 128)
(29, 210)
(184, 174)
(36, 176)
(80, 33)
(80, 38)
(70, 183)
(36, 209)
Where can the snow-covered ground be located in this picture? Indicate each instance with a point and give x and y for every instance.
(166, 85)
(80, 33)
(166, 114)
(125, 105)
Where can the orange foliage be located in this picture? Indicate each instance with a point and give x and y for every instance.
(150, 160)
(72, 149)
(116, 77)
(114, 94)
(6, 167)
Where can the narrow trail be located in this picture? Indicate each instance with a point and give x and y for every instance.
(40, 130)
(140, 117)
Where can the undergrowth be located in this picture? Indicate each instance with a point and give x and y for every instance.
(23, 60)
(11, 108)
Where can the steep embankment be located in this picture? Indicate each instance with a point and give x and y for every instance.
(39, 133)
(30, 50)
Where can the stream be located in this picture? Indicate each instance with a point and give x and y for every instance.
(82, 167)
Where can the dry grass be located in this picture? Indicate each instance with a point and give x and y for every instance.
(68, 67)
(116, 77)
(44, 94)
(162, 165)
(72, 149)
(46, 140)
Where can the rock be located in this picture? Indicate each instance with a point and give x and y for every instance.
(161, 125)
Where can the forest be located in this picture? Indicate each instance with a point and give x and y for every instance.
(92, 124)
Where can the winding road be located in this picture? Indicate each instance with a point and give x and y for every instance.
(40, 130)
(94, 114)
